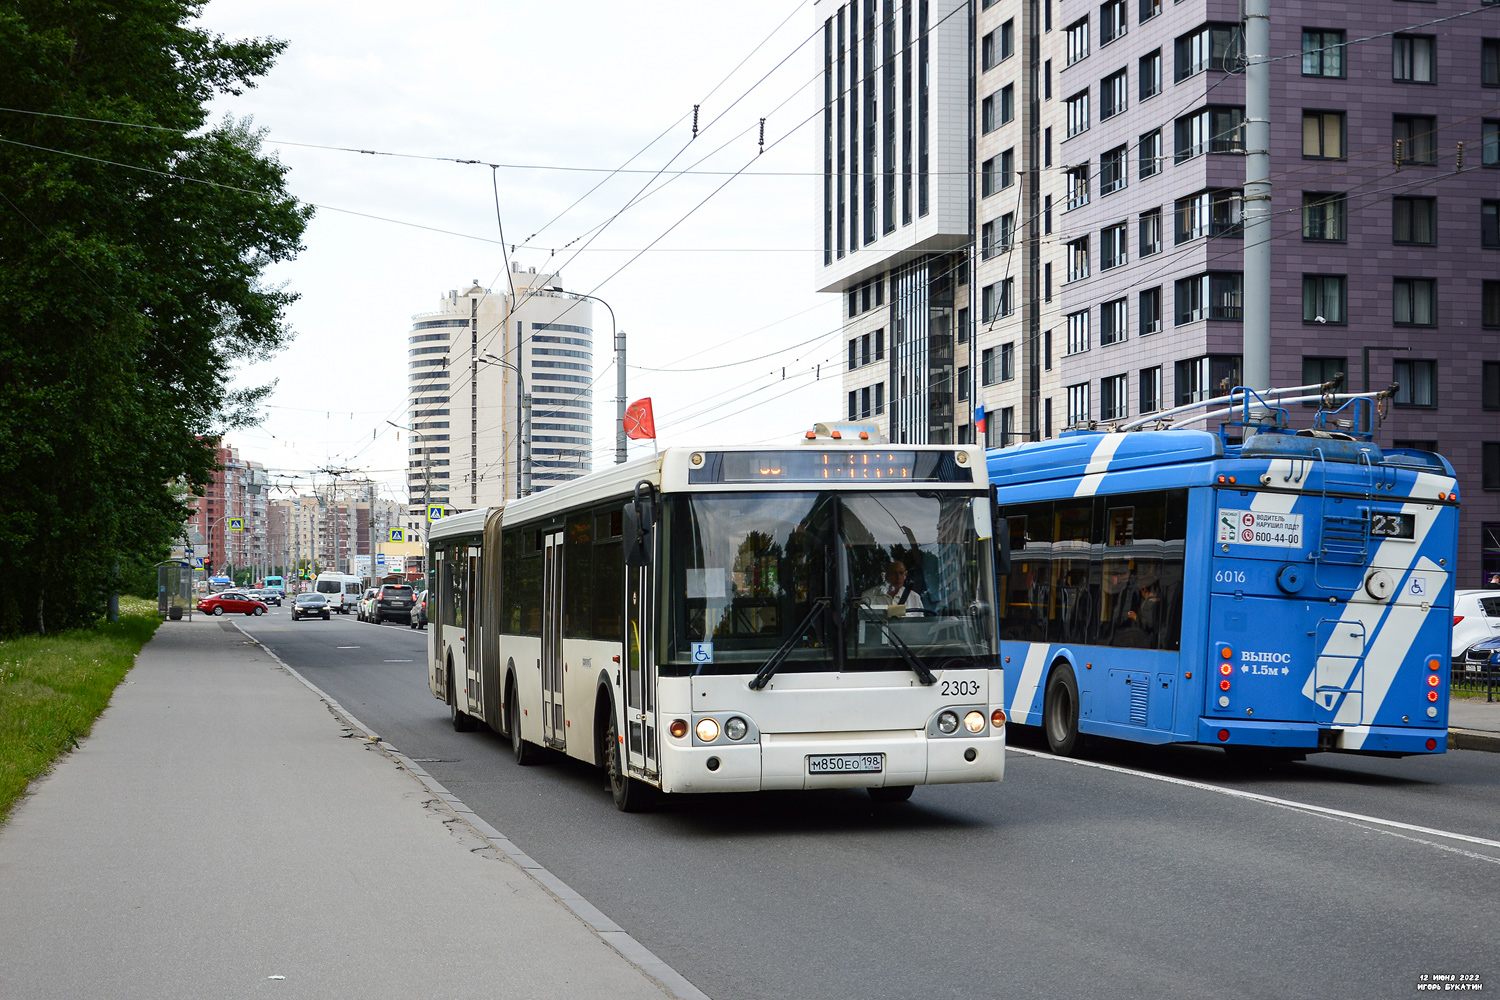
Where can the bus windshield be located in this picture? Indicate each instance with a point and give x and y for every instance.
(866, 573)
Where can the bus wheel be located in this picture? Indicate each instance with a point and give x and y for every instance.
(629, 794)
(891, 793)
(525, 753)
(463, 722)
(1060, 711)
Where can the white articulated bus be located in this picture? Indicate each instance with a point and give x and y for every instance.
(732, 619)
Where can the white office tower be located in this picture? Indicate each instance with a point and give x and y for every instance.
(467, 445)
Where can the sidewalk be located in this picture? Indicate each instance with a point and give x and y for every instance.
(1473, 724)
(221, 829)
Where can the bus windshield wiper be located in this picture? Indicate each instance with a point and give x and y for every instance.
(819, 605)
(914, 661)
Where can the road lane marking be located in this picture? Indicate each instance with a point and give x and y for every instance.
(345, 647)
(397, 661)
(1272, 800)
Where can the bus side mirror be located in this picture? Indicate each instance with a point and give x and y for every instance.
(638, 517)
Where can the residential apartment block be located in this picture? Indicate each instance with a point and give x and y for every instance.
(466, 412)
(1103, 193)
(236, 495)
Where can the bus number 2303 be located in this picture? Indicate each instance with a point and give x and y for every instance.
(960, 688)
(1229, 576)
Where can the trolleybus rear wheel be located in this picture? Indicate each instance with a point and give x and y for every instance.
(1060, 711)
(891, 793)
(629, 794)
(525, 753)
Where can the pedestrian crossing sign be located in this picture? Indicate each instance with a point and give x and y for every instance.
(398, 534)
(434, 513)
(236, 524)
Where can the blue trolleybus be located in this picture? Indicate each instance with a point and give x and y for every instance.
(1285, 590)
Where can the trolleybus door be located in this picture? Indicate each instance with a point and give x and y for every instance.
(640, 672)
(472, 686)
(553, 722)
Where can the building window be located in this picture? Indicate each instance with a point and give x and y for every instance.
(1322, 52)
(1111, 21)
(1323, 135)
(1112, 170)
(1490, 480)
(1490, 142)
(853, 404)
(987, 238)
(1212, 130)
(1008, 168)
(1213, 46)
(987, 366)
(1414, 220)
(1150, 389)
(1047, 281)
(1414, 59)
(1208, 213)
(865, 402)
(1148, 83)
(1489, 224)
(1007, 39)
(854, 354)
(1489, 388)
(1078, 40)
(989, 176)
(1415, 302)
(989, 303)
(1149, 9)
(1215, 295)
(1205, 377)
(1150, 154)
(1078, 113)
(1113, 318)
(1047, 80)
(1078, 332)
(988, 51)
(880, 344)
(1113, 241)
(1490, 309)
(1007, 426)
(1416, 383)
(1007, 104)
(1114, 397)
(1323, 298)
(1007, 362)
(1078, 404)
(1150, 232)
(1321, 370)
(1150, 311)
(1007, 296)
(1046, 350)
(879, 398)
(1078, 259)
(1413, 136)
(1489, 62)
(1324, 216)
(1078, 187)
(963, 383)
(1113, 95)
(1047, 146)
(987, 114)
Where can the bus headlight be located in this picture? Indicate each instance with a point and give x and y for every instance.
(736, 728)
(974, 722)
(708, 730)
(948, 722)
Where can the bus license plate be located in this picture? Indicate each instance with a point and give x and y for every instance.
(846, 763)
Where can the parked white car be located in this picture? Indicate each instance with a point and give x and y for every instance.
(1476, 617)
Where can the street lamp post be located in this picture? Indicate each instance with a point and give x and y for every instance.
(523, 448)
(617, 341)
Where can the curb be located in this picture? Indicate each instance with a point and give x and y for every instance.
(672, 982)
(1473, 739)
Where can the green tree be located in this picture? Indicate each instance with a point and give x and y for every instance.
(131, 264)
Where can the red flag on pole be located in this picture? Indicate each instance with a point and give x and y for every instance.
(639, 421)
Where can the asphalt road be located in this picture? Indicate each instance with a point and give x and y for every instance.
(1065, 880)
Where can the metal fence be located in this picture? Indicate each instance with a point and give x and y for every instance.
(1473, 676)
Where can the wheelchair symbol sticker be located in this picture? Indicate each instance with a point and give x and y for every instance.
(703, 652)
(1418, 586)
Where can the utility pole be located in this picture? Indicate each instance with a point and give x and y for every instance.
(374, 579)
(620, 447)
(1257, 316)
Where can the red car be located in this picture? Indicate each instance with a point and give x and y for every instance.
(232, 602)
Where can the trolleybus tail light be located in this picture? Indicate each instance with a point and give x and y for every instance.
(1226, 652)
(1432, 696)
(1224, 684)
(678, 728)
(1435, 663)
(974, 722)
(997, 718)
(1432, 744)
(1433, 680)
(1226, 669)
(1223, 736)
(947, 722)
(707, 730)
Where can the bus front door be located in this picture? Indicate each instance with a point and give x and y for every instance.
(640, 674)
(472, 688)
(554, 725)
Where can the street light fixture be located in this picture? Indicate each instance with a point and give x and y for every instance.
(617, 339)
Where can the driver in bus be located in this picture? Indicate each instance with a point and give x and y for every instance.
(894, 590)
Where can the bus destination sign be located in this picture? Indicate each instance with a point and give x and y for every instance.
(830, 466)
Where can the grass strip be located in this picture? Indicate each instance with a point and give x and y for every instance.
(53, 687)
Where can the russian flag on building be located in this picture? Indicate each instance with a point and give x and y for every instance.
(979, 419)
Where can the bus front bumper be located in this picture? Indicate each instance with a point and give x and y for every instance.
(780, 761)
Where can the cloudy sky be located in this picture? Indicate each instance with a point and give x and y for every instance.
(724, 296)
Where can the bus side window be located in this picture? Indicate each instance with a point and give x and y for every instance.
(453, 590)
(1075, 576)
(608, 575)
(510, 609)
(578, 587)
(1026, 592)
